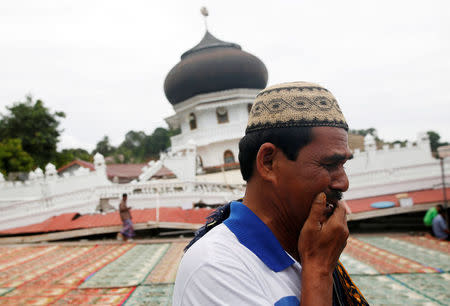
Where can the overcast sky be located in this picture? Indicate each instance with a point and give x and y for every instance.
(104, 62)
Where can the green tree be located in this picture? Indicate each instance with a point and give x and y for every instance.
(133, 145)
(434, 141)
(364, 132)
(13, 158)
(104, 147)
(155, 143)
(36, 126)
(137, 146)
(68, 155)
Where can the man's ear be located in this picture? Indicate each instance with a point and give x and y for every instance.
(265, 161)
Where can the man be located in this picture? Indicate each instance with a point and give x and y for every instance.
(429, 216)
(281, 244)
(127, 232)
(439, 226)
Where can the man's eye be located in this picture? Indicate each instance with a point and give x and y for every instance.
(331, 166)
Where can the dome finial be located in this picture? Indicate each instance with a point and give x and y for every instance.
(205, 14)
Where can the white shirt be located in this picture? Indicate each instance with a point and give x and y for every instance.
(239, 262)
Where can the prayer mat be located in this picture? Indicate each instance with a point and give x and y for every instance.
(79, 276)
(151, 295)
(42, 300)
(166, 270)
(354, 266)
(4, 291)
(37, 292)
(54, 282)
(19, 274)
(100, 296)
(128, 270)
(383, 261)
(430, 258)
(383, 290)
(23, 255)
(427, 242)
(434, 286)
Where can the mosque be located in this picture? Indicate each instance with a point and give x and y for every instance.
(212, 89)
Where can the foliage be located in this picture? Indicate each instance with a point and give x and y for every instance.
(434, 141)
(68, 155)
(36, 126)
(138, 146)
(364, 132)
(13, 158)
(104, 147)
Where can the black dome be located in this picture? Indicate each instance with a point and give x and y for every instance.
(213, 65)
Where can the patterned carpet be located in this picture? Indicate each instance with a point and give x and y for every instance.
(389, 269)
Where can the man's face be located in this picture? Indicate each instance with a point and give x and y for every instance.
(319, 168)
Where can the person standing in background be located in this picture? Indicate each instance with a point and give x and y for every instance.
(127, 232)
(439, 226)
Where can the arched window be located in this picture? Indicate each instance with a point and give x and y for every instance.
(228, 157)
(249, 107)
(222, 115)
(199, 161)
(192, 121)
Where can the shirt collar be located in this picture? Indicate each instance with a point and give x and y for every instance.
(257, 237)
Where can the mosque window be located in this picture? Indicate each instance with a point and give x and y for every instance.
(192, 121)
(199, 161)
(249, 107)
(222, 115)
(228, 157)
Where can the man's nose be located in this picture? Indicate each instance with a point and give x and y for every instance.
(340, 181)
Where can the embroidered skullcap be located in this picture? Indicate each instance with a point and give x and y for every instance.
(296, 104)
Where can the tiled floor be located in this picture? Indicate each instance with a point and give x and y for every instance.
(389, 269)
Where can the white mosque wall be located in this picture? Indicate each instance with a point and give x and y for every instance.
(213, 154)
(152, 194)
(397, 180)
(394, 170)
(224, 177)
(209, 131)
(44, 185)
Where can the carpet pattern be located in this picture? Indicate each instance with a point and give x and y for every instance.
(431, 258)
(427, 242)
(23, 272)
(130, 269)
(389, 269)
(98, 296)
(22, 255)
(355, 267)
(151, 295)
(383, 290)
(166, 270)
(434, 286)
(383, 260)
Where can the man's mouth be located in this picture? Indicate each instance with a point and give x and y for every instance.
(332, 201)
(330, 207)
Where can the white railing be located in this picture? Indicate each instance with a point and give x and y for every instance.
(143, 195)
(41, 185)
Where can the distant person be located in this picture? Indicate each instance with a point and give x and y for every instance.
(439, 226)
(428, 218)
(127, 232)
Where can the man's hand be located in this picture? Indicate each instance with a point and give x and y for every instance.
(320, 244)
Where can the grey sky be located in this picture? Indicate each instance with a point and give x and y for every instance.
(104, 62)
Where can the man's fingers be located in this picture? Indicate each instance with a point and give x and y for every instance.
(318, 206)
(339, 213)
